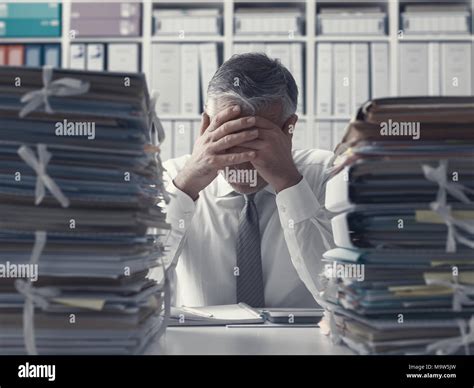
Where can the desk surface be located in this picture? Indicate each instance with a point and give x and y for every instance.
(250, 341)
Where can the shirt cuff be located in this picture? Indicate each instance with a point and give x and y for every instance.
(297, 203)
(180, 209)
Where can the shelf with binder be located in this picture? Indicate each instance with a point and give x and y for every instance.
(269, 39)
(183, 70)
(348, 74)
(107, 19)
(354, 38)
(108, 39)
(452, 18)
(192, 19)
(99, 55)
(276, 19)
(437, 38)
(30, 40)
(188, 39)
(350, 18)
(435, 68)
(227, 40)
(30, 54)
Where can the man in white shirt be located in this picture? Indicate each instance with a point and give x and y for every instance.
(247, 215)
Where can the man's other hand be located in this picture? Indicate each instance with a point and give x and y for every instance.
(210, 153)
(274, 159)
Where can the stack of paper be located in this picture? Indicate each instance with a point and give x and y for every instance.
(401, 279)
(80, 221)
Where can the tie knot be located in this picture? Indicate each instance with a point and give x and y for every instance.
(249, 197)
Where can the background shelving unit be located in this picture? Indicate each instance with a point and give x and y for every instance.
(309, 40)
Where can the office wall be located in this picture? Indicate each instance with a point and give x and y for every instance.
(339, 58)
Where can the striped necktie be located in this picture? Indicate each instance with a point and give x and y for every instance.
(249, 260)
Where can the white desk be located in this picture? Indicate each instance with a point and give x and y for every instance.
(250, 341)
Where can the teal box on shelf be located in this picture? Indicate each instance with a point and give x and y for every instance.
(30, 28)
(30, 11)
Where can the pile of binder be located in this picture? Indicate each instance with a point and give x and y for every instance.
(81, 223)
(401, 279)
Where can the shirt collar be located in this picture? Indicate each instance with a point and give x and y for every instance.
(224, 188)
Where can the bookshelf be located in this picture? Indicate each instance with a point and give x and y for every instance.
(226, 40)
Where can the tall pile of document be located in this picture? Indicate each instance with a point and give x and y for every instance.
(80, 221)
(401, 280)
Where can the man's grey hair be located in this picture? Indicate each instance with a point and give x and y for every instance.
(254, 81)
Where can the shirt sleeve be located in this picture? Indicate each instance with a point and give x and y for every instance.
(307, 229)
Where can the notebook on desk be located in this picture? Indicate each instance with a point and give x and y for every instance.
(291, 316)
(219, 315)
(241, 314)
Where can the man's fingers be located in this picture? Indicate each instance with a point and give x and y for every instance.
(256, 145)
(205, 121)
(227, 114)
(232, 140)
(232, 126)
(219, 161)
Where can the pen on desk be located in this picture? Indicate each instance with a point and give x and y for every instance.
(197, 312)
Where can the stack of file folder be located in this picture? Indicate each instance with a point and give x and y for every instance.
(401, 279)
(81, 223)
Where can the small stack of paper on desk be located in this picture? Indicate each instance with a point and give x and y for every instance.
(80, 217)
(401, 280)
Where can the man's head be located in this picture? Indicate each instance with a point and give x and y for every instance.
(261, 87)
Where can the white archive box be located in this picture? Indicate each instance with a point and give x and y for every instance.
(337, 192)
(340, 231)
(95, 57)
(123, 57)
(77, 56)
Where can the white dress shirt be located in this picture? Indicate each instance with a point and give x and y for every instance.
(295, 231)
